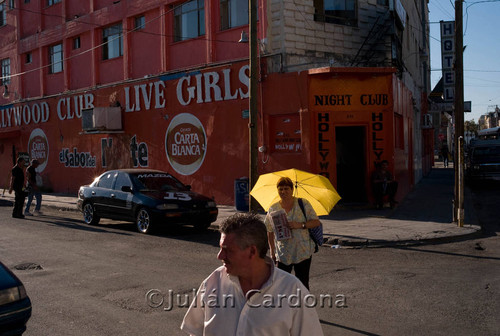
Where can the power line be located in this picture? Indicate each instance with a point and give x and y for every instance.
(123, 33)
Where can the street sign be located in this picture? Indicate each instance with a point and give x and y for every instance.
(467, 106)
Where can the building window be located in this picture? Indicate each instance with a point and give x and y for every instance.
(189, 20)
(11, 4)
(5, 63)
(29, 58)
(140, 22)
(383, 2)
(76, 43)
(336, 11)
(56, 58)
(112, 40)
(3, 14)
(52, 2)
(234, 13)
(26, 1)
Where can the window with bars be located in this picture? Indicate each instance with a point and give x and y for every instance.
(77, 43)
(5, 64)
(233, 13)
(189, 20)
(3, 14)
(56, 58)
(140, 22)
(112, 39)
(336, 11)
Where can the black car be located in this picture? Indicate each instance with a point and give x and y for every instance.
(147, 197)
(483, 160)
(15, 305)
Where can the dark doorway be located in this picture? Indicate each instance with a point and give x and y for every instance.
(351, 165)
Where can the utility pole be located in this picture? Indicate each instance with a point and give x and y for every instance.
(252, 123)
(458, 202)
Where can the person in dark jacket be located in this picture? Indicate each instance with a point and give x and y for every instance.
(383, 184)
(33, 189)
(445, 154)
(17, 184)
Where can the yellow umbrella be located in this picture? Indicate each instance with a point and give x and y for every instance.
(317, 189)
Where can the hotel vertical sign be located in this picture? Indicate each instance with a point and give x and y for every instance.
(448, 59)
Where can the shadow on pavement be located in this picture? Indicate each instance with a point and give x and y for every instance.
(180, 232)
(70, 223)
(354, 330)
(418, 249)
(429, 201)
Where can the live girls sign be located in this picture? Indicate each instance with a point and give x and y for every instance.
(195, 87)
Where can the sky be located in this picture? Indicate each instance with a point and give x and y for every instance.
(481, 21)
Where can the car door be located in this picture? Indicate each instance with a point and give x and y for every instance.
(101, 194)
(121, 201)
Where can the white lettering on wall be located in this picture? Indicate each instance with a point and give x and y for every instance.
(71, 107)
(200, 87)
(208, 87)
(144, 93)
(24, 114)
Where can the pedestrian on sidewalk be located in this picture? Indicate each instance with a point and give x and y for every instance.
(248, 295)
(383, 184)
(296, 252)
(445, 153)
(33, 188)
(17, 184)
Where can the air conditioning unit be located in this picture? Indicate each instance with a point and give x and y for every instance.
(88, 120)
(102, 119)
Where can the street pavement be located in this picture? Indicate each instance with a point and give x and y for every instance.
(423, 216)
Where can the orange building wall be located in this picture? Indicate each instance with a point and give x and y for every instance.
(403, 149)
(209, 110)
(212, 121)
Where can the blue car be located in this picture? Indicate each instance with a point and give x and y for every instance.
(150, 198)
(15, 305)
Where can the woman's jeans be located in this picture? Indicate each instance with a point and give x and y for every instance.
(38, 196)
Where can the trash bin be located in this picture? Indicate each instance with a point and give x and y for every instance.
(241, 194)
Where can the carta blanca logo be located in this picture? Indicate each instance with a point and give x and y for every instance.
(75, 159)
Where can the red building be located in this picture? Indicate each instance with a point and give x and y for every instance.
(101, 84)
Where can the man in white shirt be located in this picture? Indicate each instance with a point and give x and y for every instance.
(248, 295)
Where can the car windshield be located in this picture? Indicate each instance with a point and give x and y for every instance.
(486, 154)
(157, 182)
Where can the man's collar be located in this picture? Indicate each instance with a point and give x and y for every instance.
(266, 284)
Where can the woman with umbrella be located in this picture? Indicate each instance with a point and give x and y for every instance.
(296, 252)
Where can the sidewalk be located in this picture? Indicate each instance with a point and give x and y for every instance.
(424, 216)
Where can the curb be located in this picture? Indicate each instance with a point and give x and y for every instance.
(369, 243)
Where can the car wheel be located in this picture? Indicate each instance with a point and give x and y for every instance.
(89, 215)
(201, 225)
(143, 221)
